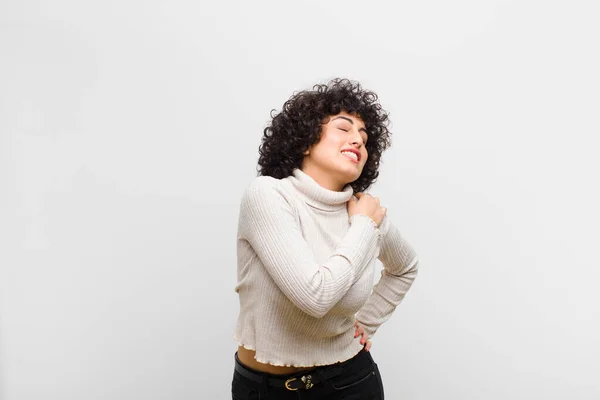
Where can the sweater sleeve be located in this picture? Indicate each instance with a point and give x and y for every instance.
(400, 266)
(268, 223)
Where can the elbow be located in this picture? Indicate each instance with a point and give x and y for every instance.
(409, 270)
(320, 296)
(315, 310)
(316, 307)
(318, 315)
(414, 267)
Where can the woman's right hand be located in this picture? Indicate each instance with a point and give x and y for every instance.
(367, 205)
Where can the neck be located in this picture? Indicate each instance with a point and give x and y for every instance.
(324, 179)
(317, 195)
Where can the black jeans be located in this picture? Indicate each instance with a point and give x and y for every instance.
(359, 380)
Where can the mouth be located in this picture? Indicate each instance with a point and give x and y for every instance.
(352, 155)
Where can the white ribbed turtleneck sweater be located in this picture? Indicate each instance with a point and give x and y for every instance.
(305, 272)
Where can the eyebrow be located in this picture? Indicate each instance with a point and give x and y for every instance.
(352, 122)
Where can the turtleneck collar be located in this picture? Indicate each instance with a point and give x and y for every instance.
(318, 196)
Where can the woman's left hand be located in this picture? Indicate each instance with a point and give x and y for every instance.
(360, 331)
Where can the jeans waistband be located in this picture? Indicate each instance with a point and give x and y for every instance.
(299, 380)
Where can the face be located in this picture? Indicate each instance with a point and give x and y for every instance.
(340, 155)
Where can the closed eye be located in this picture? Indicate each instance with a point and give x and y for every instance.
(348, 130)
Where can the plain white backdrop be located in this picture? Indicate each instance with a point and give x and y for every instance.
(129, 129)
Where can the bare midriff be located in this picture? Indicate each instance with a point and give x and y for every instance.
(246, 357)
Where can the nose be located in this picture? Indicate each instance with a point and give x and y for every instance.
(357, 139)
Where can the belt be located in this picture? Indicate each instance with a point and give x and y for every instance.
(291, 382)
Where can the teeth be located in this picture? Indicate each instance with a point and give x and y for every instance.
(351, 154)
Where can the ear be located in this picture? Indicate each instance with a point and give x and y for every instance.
(307, 152)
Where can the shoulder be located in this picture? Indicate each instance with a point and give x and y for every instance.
(261, 183)
(261, 186)
(266, 203)
(265, 190)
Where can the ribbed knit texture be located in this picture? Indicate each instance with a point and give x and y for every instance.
(305, 272)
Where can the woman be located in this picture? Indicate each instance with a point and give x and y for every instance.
(306, 252)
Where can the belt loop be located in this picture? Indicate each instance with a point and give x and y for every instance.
(373, 363)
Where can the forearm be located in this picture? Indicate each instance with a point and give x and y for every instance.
(387, 294)
(268, 224)
(316, 287)
(400, 265)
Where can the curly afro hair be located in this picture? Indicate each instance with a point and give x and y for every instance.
(298, 126)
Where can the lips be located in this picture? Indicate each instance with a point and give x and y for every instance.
(353, 151)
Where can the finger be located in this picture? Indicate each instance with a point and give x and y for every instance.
(358, 195)
(368, 346)
(359, 331)
(364, 338)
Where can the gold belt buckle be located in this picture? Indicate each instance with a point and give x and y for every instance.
(287, 382)
(305, 379)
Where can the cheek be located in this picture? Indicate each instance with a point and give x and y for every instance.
(333, 145)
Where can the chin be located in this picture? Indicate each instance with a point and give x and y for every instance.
(351, 177)
(348, 175)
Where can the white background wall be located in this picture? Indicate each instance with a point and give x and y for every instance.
(129, 129)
